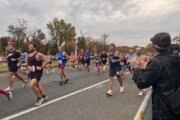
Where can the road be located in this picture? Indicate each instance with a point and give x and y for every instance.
(83, 98)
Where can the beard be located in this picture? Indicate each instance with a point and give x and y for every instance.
(31, 51)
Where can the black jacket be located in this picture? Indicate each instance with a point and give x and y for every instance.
(163, 74)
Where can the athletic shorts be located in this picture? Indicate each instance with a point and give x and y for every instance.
(36, 76)
(61, 67)
(82, 62)
(113, 73)
(13, 69)
(88, 62)
(104, 62)
(98, 64)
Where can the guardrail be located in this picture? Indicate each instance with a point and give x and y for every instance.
(145, 110)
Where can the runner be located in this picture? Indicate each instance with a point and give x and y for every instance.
(123, 65)
(72, 59)
(49, 68)
(6, 93)
(12, 59)
(62, 60)
(81, 60)
(36, 61)
(87, 57)
(128, 59)
(98, 64)
(103, 58)
(114, 69)
(22, 60)
(139, 60)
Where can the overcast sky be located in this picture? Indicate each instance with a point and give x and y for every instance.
(127, 22)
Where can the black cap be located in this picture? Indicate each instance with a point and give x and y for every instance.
(161, 40)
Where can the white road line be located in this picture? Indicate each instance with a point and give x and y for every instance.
(53, 101)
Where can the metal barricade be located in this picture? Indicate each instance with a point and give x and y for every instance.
(145, 110)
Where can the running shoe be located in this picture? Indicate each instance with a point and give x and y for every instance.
(45, 97)
(121, 89)
(9, 95)
(109, 93)
(39, 101)
(61, 83)
(9, 89)
(140, 93)
(66, 81)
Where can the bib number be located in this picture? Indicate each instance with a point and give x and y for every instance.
(60, 61)
(121, 63)
(32, 68)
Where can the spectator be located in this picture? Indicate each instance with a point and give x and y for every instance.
(163, 74)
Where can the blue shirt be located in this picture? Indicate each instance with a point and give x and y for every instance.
(23, 58)
(87, 56)
(114, 66)
(130, 56)
(61, 59)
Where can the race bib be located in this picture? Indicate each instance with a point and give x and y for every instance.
(32, 68)
(121, 63)
(60, 61)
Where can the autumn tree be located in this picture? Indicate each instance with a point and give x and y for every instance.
(18, 32)
(60, 31)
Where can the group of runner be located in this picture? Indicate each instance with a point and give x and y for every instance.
(33, 63)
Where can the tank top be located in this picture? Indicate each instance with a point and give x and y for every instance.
(34, 63)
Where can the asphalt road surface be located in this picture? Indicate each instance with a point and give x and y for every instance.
(83, 98)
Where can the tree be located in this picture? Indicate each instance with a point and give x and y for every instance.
(18, 32)
(177, 39)
(123, 48)
(104, 41)
(60, 32)
(3, 44)
(82, 42)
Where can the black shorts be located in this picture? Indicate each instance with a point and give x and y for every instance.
(82, 62)
(113, 73)
(88, 62)
(104, 62)
(36, 76)
(13, 69)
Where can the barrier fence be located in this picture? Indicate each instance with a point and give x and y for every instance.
(145, 110)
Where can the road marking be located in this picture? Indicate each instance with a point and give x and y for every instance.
(53, 101)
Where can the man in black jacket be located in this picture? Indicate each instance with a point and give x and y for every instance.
(163, 74)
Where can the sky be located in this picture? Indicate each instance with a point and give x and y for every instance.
(127, 22)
